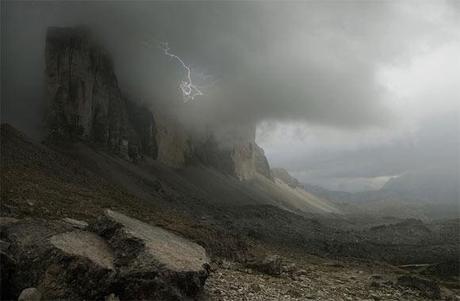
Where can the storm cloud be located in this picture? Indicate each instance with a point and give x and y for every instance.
(339, 71)
(282, 61)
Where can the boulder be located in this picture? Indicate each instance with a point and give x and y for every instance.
(75, 223)
(63, 263)
(152, 262)
(429, 288)
(270, 265)
(30, 294)
(4, 220)
(111, 297)
(122, 258)
(447, 270)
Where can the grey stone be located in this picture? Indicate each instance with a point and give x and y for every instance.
(85, 244)
(86, 101)
(75, 223)
(125, 256)
(65, 263)
(111, 297)
(30, 294)
(152, 261)
(270, 265)
(428, 288)
(5, 220)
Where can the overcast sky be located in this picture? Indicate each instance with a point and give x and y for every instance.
(344, 94)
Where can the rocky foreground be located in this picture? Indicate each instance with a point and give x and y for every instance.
(59, 242)
(321, 280)
(116, 256)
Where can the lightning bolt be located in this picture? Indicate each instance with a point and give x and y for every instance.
(189, 90)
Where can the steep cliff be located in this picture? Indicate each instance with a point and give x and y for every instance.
(284, 176)
(86, 103)
(85, 100)
(261, 162)
(232, 150)
(173, 141)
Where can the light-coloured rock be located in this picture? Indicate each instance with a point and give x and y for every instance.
(270, 265)
(153, 261)
(172, 251)
(141, 261)
(85, 244)
(30, 294)
(62, 262)
(4, 220)
(75, 223)
(172, 139)
(111, 297)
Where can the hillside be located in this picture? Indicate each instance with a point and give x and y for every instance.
(422, 200)
(80, 182)
(123, 200)
(436, 185)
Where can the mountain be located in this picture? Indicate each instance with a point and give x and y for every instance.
(174, 196)
(436, 185)
(227, 216)
(412, 195)
(85, 101)
(87, 104)
(284, 176)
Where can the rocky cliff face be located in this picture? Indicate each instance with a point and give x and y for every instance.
(284, 176)
(233, 150)
(173, 142)
(261, 163)
(86, 103)
(249, 160)
(85, 100)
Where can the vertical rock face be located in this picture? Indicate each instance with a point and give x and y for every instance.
(284, 176)
(87, 104)
(261, 163)
(233, 150)
(145, 127)
(173, 142)
(85, 100)
(243, 156)
(249, 159)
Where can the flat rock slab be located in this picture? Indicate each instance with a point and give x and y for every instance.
(85, 244)
(61, 262)
(151, 259)
(116, 255)
(174, 252)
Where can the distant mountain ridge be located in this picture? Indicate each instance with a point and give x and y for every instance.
(396, 199)
(221, 163)
(437, 185)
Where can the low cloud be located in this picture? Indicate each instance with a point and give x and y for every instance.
(350, 73)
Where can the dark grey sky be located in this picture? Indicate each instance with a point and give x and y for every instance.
(340, 91)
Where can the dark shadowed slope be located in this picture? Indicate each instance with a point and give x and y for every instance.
(226, 216)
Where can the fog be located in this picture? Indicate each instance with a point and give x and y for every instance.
(344, 95)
